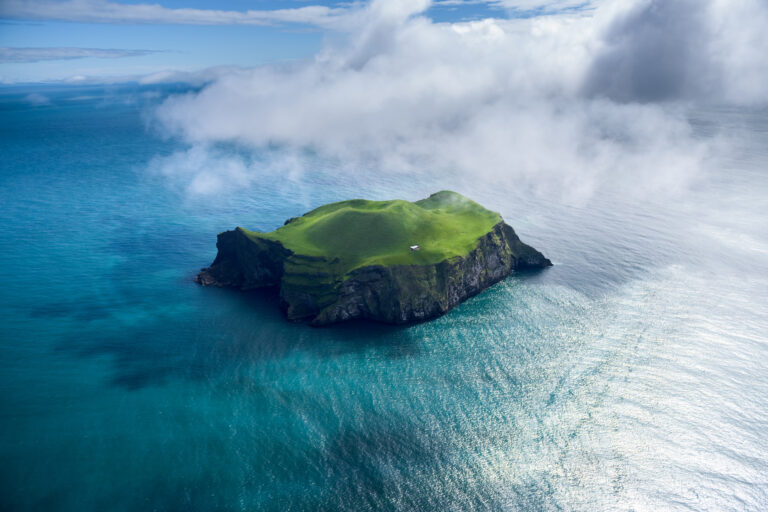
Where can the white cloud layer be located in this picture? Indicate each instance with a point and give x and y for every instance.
(16, 55)
(104, 11)
(544, 5)
(568, 102)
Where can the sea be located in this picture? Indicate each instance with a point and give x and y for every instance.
(630, 376)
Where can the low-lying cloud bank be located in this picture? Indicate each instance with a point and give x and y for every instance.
(566, 102)
(14, 55)
(105, 11)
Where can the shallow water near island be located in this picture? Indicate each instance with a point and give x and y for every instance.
(631, 376)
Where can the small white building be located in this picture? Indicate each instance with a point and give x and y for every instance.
(415, 248)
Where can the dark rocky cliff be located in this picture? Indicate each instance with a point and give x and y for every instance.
(397, 294)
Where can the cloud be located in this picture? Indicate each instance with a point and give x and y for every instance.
(545, 6)
(525, 7)
(654, 50)
(564, 104)
(37, 99)
(195, 78)
(104, 11)
(202, 170)
(18, 55)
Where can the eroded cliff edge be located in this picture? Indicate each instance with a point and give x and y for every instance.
(318, 290)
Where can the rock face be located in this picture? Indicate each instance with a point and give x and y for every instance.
(311, 291)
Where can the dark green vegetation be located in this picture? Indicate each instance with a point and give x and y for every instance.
(353, 259)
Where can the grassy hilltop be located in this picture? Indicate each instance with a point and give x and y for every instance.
(353, 259)
(358, 233)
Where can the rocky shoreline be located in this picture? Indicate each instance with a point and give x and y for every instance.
(395, 294)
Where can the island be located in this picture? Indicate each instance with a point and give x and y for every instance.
(396, 262)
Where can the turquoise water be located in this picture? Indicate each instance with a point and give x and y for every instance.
(633, 375)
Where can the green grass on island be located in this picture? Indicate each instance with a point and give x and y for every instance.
(361, 233)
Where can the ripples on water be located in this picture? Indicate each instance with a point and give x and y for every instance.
(630, 376)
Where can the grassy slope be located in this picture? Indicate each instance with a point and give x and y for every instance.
(361, 233)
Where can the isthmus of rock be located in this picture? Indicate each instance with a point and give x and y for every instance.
(389, 261)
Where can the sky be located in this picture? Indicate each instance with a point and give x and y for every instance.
(564, 97)
(69, 40)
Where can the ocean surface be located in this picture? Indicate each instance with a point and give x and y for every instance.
(633, 375)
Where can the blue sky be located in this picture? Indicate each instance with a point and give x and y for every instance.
(55, 40)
